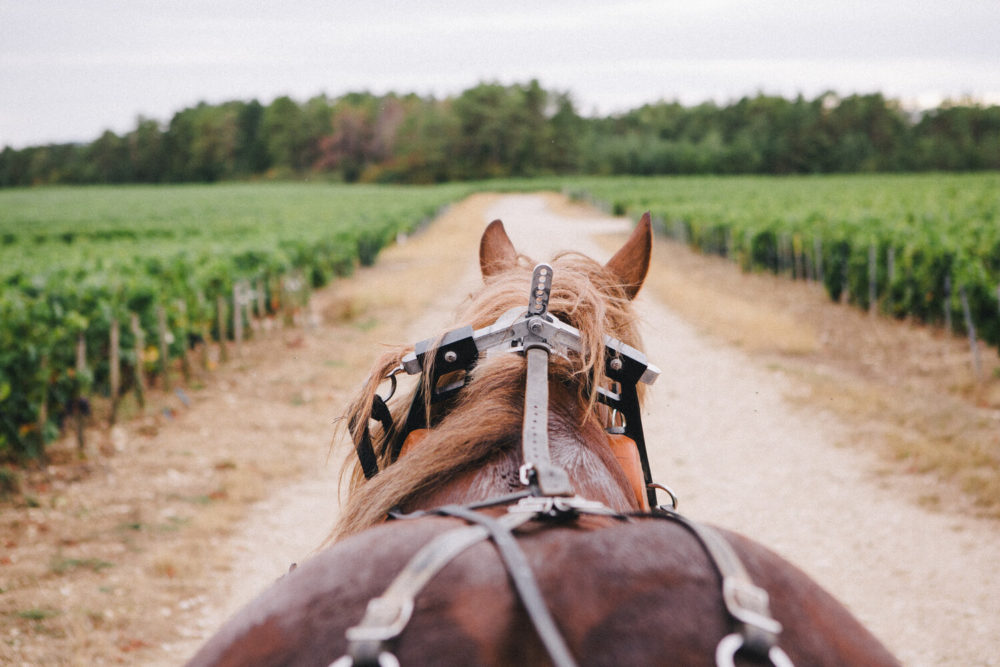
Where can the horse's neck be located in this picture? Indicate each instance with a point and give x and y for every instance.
(581, 451)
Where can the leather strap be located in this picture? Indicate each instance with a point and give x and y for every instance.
(523, 578)
(387, 615)
(363, 445)
(746, 603)
(545, 478)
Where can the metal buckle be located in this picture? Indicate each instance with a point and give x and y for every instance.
(533, 505)
(379, 608)
(559, 506)
(730, 645)
(385, 659)
(391, 377)
(674, 500)
(527, 473)
(577, 504)
(748, 604)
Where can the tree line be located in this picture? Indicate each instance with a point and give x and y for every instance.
(520, 130)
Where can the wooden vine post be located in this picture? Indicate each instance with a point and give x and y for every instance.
(970, 328)
(115, 371)
(260, 294)
(78, 399)
(890, 271)
(43, 409)
(872, 279)
(260, 291)
(206, 330)
(140, 375)
(161, 332)
(947, 304)
(818, 252)
(185, 362)
(220, 306)
(238, 318)
(248, 302)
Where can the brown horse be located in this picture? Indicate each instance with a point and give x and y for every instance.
(621, 585)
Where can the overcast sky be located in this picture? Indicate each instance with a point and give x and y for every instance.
(69, 69)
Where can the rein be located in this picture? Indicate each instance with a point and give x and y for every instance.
(549, 495)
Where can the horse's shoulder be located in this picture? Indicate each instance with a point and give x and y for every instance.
(605, 581)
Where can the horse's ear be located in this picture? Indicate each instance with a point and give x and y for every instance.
(631, 262)
(496, 252)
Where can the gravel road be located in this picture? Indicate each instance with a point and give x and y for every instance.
(740, 455)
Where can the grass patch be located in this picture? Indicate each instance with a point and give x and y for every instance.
(37, 614)
(61, 565)
(366, 325)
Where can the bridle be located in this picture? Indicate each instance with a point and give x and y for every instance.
(444, 364)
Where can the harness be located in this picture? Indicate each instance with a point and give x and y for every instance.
(549, 496)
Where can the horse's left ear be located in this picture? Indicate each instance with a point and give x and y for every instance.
(631, 263)
(496, 252)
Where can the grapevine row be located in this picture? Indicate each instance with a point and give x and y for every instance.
(59, 297)
(909, 246)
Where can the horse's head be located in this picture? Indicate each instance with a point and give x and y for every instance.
(470, 450)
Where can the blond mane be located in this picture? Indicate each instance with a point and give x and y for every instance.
(485, 421)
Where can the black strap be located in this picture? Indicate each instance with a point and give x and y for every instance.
(363, 445)
(397, 513)
(524, 581)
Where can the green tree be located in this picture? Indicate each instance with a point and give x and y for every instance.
(251, 156)
(147, 151)
(108, 159)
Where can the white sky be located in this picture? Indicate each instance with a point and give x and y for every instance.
(69, 69)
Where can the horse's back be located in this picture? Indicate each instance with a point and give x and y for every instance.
(637, 592)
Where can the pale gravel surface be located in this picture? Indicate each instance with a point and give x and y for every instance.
(721, 433)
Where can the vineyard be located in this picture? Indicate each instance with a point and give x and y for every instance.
(106, 289)
(103, 290)
(925, 247)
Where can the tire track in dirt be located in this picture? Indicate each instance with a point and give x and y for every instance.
(723, 436)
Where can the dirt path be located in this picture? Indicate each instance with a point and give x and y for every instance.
(721, 429)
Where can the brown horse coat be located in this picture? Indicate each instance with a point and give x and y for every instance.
(634, 593)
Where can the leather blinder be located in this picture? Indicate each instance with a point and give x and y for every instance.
(413, 439)
(627, 453)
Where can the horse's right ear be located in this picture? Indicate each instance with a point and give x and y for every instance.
(631, 262)
(496, 252)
